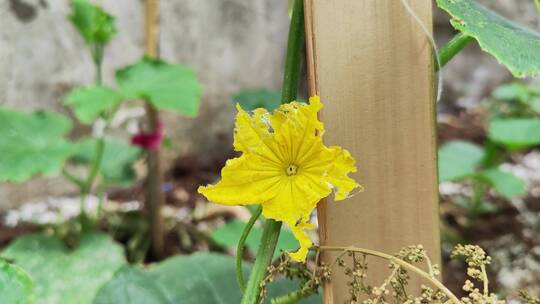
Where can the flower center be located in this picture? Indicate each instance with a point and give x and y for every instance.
(291, 170)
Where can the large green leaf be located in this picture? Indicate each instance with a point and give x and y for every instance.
(505, 183)
(131, 285)
(229, 234)
(514, 46)
(64, 276)
(88, 103)
(92, 22)
(118, 158)
(515, 133)
(252, 99)
(16, 286)
(207, 278)
(32, 143)
(167, 86)
(458, 159)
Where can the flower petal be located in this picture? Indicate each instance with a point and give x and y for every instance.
(252, 135)
(245, 180)
(297, 129)
(303, 238)
(333, 165)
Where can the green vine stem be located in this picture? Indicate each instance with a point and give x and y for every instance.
(241, 245)
(454, 46)
(272, 228)
(264, 258)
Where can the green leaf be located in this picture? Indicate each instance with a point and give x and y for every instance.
(534, 103)
(16, 286)
(92, 22)
(207, 278)
(505, 183)
(514, 46)
(515, 133)
(229, 234)
(131, 285)
(118, 158)
(512, 91)
(88, 103)
(167, 86)
(458, 159)
(32, 143)
(253, 99)
(64, 276)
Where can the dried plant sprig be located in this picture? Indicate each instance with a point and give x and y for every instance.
(529, 299)
(393, 287)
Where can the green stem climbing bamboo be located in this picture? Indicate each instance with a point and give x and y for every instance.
(272, 228)
(454, 46)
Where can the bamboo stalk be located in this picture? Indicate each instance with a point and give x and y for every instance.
(154, 198)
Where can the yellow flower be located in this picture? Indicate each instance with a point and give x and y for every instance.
(284, 166)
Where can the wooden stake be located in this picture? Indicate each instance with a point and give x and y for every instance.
(371, 64)
(154, 197)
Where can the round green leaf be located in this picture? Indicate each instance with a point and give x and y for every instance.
(131, 285)
(64, 276)
(515, 133)
(207, 278)
(167, 86)
(458, 159)
(88, 103)
(32, 143)
(16, 286)
(514, 46)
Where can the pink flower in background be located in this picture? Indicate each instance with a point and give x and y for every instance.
(149, 140)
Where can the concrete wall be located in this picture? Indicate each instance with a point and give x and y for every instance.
(232, 45)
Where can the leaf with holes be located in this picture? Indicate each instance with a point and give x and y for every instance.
(32, 143)
(62, 275)
(511, 44)
(89, 103)
(92, 22)
(118, 158)
(458, 159)
(16, 286)
(515, 133)
(167, 86)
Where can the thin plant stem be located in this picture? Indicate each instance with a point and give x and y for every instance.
(89, 183)
(264, 258)
(154, 197)
(405, 265)
(72, 178)
(95, 166)
(289, 91)
(454, 46)
(241, 245)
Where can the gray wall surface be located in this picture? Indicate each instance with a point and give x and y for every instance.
(231, 44)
